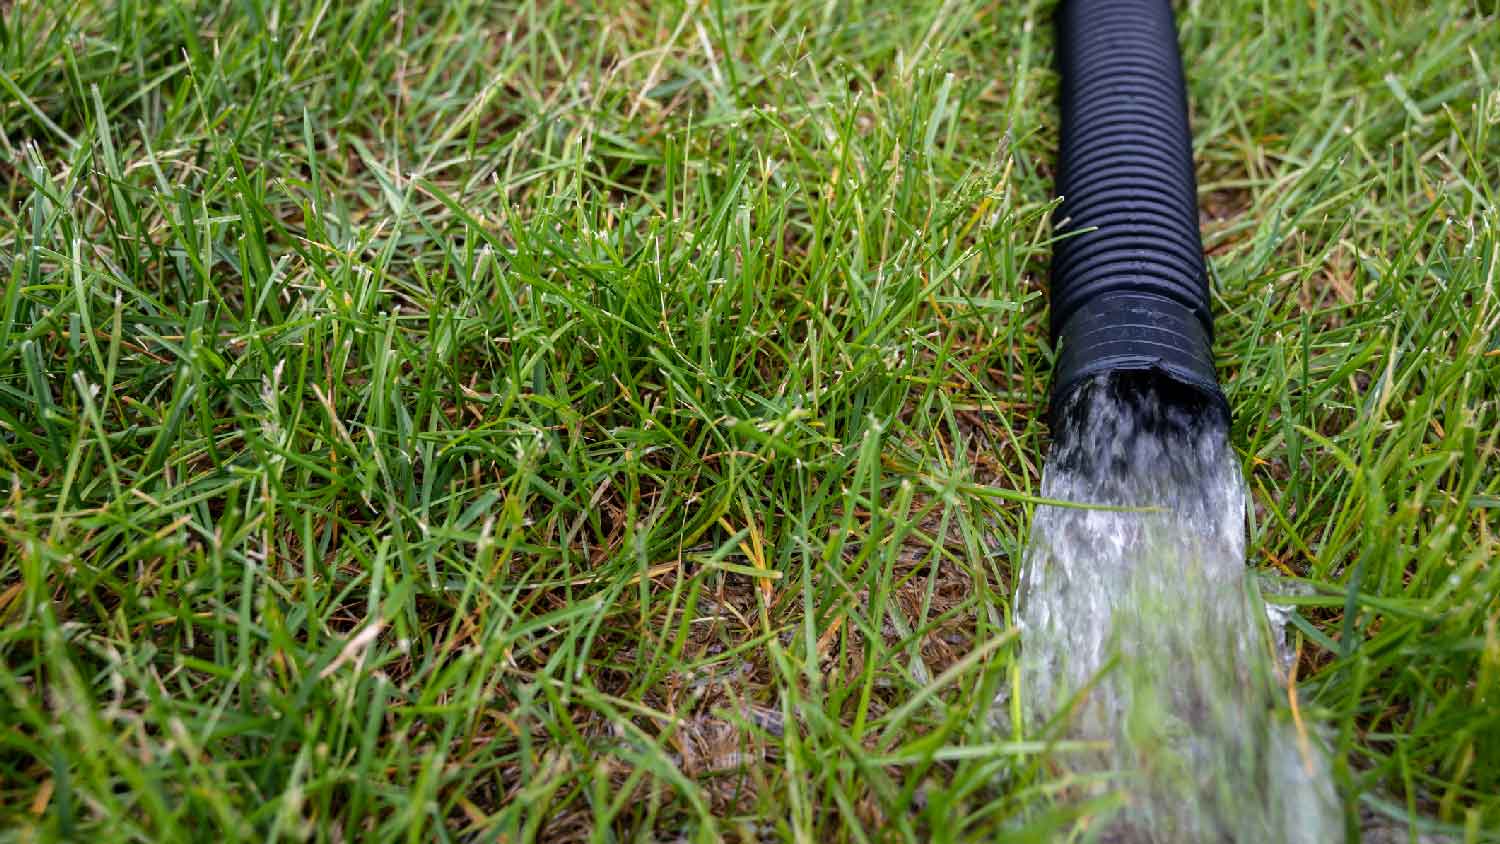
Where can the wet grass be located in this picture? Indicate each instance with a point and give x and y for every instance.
(608, 421)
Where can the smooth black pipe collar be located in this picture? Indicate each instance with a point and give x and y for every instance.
(1129, 285)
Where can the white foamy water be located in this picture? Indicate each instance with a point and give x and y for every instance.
(1139, 634)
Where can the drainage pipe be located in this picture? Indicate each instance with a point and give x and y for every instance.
(1129, 285)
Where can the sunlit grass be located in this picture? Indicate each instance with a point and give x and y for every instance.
(615, 420)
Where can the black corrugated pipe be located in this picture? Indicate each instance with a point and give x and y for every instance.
(1130, 293)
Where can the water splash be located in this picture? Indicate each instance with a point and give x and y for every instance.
(1141, 639)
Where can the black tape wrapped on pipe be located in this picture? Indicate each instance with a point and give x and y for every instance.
(1129, 285)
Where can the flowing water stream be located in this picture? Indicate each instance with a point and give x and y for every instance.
(1141, 639)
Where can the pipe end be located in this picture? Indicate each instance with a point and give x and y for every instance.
(1149, 336)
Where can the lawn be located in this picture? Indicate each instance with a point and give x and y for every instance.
(621, 421)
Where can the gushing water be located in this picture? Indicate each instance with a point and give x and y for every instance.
(1141, 639)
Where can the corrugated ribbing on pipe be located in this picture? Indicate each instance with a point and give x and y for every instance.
(1130, 293)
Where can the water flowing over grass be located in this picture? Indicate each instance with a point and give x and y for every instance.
(1140, 637)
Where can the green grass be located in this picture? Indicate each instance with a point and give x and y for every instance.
(617, 421)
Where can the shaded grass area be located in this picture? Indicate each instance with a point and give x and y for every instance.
(614, 421)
